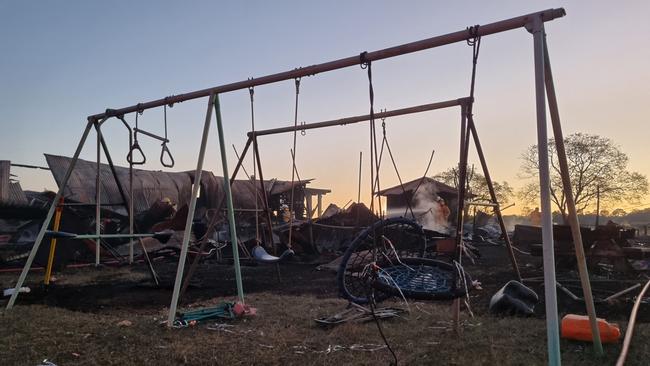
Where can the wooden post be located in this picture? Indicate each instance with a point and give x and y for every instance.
(568, 193)
(320, 206)
(50, 258)
(5, 166)
(493, 196)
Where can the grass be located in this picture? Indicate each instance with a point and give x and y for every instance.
(284, 333)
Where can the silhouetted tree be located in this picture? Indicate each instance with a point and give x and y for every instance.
(597, 166)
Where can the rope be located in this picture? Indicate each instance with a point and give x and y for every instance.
(293, 163)
(392, 159)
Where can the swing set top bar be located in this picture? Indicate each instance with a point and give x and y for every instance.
(366, 117)
(459, 36)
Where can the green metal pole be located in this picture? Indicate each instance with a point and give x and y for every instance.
(231, 210)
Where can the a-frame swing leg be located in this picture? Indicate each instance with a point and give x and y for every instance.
(128, 204)
(48, 217)
(571, 205)
(536, 27)
(264, 195)
(231, 209)
(462, 176)
(493, 196)
(195, 262)
(190, 214)
(98, 197)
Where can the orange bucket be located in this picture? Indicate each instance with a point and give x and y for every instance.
(577, 327)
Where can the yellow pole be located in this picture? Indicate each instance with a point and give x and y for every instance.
(50, 259)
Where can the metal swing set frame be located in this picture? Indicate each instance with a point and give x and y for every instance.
(544, 91)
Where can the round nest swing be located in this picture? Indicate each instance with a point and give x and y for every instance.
(393, 250)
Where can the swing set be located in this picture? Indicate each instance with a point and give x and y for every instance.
(544, 91)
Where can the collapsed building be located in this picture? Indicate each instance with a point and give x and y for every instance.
(160, 201)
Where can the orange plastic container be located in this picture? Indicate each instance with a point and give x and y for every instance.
(577, 327)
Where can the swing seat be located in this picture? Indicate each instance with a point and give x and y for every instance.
(261, 255)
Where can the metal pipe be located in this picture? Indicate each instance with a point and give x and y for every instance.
(57, 234)
(571, 205)
(131, 205)
(79, 204)
(363, 118)
(462, 170)
(48, 218)
(98, 196)
(622, 292)
(154, 136)
(231, 211)
(630, 326)
(190, 215)
(550, 292)
(459, 36)
(29, 166)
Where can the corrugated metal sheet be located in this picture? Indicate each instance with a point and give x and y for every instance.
(151, 186)
(16, 194)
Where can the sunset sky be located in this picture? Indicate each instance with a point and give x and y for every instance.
(62, 61)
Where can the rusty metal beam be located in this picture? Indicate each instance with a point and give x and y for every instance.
(363, 118)
(459, 36)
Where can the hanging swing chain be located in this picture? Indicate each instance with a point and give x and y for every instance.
(475, 42)
(374, 157)
(293, 163)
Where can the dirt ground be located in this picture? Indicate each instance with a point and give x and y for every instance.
(75, 322)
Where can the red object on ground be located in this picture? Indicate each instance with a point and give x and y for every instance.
(577, 327)
(241, 310)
